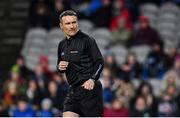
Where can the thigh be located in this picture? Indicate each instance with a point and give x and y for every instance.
(92, 104)
(70, 104)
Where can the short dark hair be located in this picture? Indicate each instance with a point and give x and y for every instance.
(67, 13)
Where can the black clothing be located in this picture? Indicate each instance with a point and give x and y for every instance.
(103, 16)
(85, 62)
(4, 113)
(84, 57)
(136, 113)
(88, 103)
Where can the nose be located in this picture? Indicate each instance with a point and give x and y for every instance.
(71, 26)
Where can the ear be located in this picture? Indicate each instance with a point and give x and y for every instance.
(60, 25)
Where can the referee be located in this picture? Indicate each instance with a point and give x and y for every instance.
(80, 59)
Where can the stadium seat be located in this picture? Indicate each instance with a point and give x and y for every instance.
(169, 8)
(156, 85)
(149, 7)
(120, 53)
(86, 25)
(141, 52)
(102, 33)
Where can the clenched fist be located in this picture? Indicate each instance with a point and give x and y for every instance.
(63, 65)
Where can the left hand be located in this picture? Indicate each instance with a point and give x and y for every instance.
(89, 84)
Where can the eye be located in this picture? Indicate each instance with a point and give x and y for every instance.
(74, 22)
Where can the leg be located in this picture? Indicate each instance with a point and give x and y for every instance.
(92, 104)
(70, 114)
(70, 107)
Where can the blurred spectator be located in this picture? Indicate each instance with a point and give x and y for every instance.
(3, 110)
(120, 11)
(62, 85)
(173, 52)
(172, 91)
(145, 35)
(40, 77)
(89, 7)
(126, 90)
(33, 93)
(140, 108)
(46, 108)
(131, 68)
(106, 81)
(177, 99)
(40, 13)
(13, 86)
(156, 62)
(10, 94)
(133, 8)
(60, 6)
(167, 107)
(17, 78)
(117, 108)
(23, 109)
(102, 17)
(54, 95)
(121, 35)
(111, 63)
(43, 60)
(21, 68)
(171, 78)
(176, 67)
(146, 91)
(107, 92)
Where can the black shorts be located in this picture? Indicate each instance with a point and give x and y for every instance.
(86, 103)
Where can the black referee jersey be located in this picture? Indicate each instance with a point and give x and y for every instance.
(84, 57)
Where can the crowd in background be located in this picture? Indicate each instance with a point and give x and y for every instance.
(41, 92)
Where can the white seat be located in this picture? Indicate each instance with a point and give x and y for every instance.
(31, 61)
(141, 52)
(167, 17)
(167, 25)
(166, 34)
(136, 82)
(120, 53)
(36, 32)
(152, 18)
(169, 8)
(86, 25)
(55, 32)
(169, 43)
(149, 7)
(156, 85)
(102, 33)
(101, 42)
(52, 62)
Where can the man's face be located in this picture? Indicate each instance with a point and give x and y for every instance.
(69, 25)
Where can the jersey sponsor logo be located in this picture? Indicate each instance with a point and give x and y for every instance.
(74, 51)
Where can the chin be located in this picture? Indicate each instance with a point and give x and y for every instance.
(72, 34)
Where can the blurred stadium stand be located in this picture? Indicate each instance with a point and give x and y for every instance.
(128, 66)
(13, 25)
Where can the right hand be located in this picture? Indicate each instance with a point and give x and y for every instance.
(63, 65)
